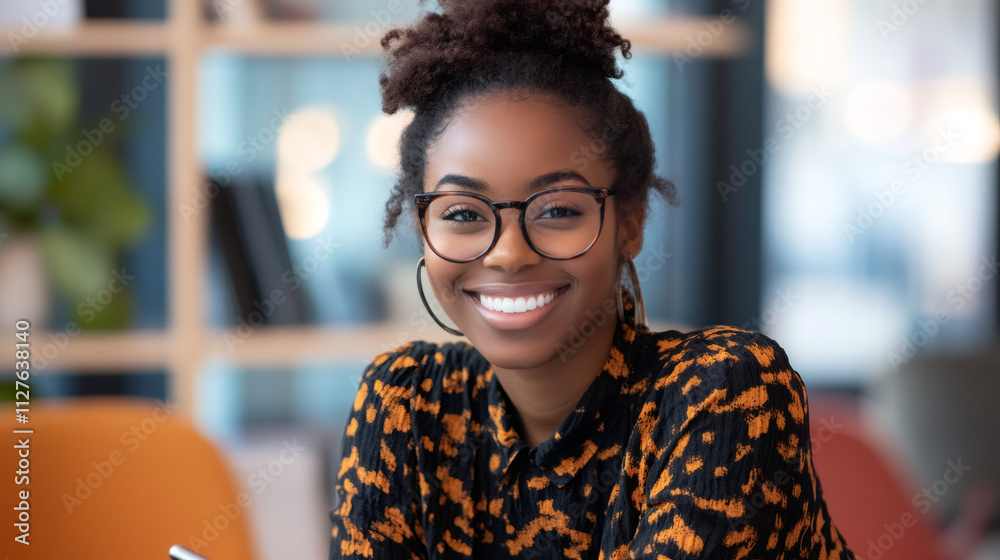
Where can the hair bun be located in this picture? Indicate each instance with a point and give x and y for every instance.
(424, 56)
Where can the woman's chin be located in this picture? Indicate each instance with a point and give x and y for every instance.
(514, 354)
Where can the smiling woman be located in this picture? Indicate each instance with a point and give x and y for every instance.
(528, 443)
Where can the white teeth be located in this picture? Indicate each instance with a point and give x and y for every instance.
(515, 305)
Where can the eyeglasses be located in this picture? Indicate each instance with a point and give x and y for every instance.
(558, 224)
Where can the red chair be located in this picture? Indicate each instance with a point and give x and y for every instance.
(875, 507)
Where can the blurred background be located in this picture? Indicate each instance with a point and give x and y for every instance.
(191, 202)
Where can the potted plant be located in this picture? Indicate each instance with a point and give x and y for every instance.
(62, 227)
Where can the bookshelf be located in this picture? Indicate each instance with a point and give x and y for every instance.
(126, 38)
(189, 342)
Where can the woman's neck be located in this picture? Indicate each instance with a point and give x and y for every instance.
(545, 395)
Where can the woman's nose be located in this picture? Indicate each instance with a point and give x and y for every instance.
(511, 252)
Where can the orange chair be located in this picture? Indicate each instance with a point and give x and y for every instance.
(875, 508)
(117, 479)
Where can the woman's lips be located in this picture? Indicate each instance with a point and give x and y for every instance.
(515, 311)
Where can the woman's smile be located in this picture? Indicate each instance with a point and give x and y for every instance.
(515, 306)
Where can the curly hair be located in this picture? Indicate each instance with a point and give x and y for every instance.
(562, 48)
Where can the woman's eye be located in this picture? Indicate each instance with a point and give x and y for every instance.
(461, 215)
(558, 212)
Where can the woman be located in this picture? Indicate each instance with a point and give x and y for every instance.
(566, 428)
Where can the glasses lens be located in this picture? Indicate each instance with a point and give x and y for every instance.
(563, 224)
(459, 227)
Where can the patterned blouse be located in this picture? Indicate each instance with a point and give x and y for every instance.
(685, 446)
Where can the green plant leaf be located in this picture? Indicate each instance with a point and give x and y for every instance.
(96, 198)
(105, 310)
(23, 178)
(53, 90)
(15, 111)
(78, 267)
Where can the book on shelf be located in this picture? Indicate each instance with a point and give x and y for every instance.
(252, 239)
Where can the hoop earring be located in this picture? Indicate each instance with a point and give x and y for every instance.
(621, 299)
(639, 307)
(423, 299)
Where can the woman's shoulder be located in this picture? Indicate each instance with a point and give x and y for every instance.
(720, 358)
(719, 342)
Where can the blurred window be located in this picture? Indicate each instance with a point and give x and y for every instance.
(880, 200)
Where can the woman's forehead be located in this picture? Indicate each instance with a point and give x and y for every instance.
(501, 140)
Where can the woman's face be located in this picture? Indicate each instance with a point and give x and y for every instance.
(504, 145)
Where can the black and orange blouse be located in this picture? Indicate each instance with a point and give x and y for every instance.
(685, 446)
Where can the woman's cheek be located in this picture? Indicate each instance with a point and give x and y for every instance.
(443, 276)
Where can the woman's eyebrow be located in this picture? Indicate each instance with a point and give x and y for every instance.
(537, 183)
(543, 181)
(462, 181)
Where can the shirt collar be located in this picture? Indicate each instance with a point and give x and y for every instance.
(508, 442)
(580, 434)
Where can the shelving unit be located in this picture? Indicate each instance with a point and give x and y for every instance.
(125, 38)
(188, 342)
